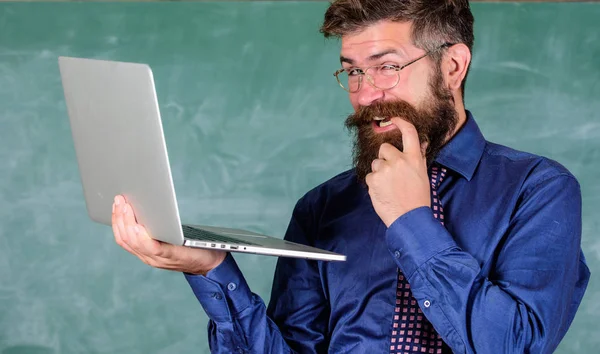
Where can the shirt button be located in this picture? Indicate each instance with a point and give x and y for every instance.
(217, 296)
(231, 286)
(397, 254)
(426, 303)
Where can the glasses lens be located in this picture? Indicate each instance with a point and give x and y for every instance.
(384, 76)
(350, 80)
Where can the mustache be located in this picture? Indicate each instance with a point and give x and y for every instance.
(399, 108)
(363, 117)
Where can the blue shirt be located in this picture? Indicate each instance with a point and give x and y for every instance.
(505, 275)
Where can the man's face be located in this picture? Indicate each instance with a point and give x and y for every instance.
(420, 96)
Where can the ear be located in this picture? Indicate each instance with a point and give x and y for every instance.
(455, 65)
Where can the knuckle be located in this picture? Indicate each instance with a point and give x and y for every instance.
(412, 130)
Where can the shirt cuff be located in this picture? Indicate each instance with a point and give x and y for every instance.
(223, 292)
(415, 237)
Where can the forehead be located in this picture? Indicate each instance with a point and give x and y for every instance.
(379, 36)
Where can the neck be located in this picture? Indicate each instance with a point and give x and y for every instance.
(461, 115)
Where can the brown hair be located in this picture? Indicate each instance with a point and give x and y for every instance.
(434, 22)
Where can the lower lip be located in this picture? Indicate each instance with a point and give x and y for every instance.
(379, 129)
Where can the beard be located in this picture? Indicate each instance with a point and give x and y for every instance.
(434, 120)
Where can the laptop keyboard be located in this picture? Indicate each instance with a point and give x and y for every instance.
(203, 235)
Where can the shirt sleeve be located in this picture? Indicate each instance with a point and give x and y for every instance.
(539, 274)
(238, 319)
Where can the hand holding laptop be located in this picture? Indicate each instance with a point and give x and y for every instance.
(134, 238)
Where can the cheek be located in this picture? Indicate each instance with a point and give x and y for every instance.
(354, 101)
(405, 91)
(413, 88)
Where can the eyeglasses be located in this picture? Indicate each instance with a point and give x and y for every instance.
(382, 77)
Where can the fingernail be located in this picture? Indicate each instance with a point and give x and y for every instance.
(117, 200)
(124, 209)
(137, 229)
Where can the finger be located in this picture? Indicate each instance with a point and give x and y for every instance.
(126, 216)
(410, 137)
(119, 239)
(138, 241)
(120, 224)
(377, 164)
(126, 233)
(117, 214)
(369, 179)
(389, 152)
(129, 215)
(115, 228)
(133, 241)
(120, 219)
(119, 200)
(132, 244)
(144, 245)
(126, 247)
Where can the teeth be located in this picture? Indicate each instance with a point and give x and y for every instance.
(385, 124)
(378, 118)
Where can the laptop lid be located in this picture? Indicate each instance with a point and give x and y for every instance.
(119, 142)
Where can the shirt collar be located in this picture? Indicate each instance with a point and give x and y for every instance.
(464, 150)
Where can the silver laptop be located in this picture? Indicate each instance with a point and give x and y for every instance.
(120, 148)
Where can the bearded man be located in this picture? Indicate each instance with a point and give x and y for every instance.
(453, 243)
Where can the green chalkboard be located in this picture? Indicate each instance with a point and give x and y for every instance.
(253, 118)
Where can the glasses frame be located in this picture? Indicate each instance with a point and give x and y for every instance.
(398, 69)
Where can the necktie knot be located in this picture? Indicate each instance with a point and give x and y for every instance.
(437, 175)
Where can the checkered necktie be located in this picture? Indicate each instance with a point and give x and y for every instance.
(411, 331)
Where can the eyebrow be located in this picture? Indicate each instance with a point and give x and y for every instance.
(343, 59)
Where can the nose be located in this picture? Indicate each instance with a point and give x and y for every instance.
(368, 94)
